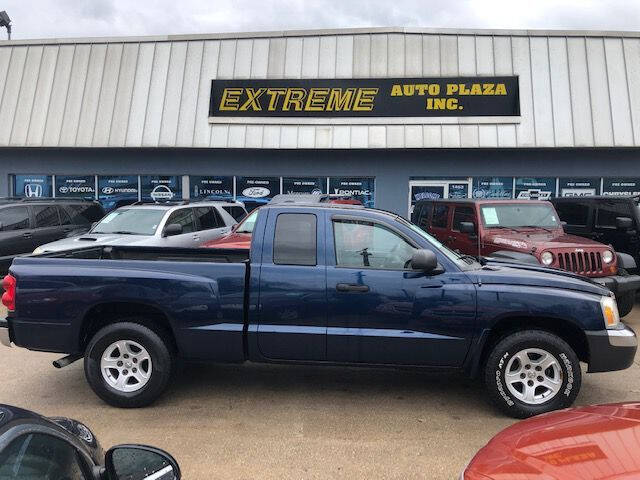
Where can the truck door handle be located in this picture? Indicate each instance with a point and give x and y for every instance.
(351, 287)
(27, 235)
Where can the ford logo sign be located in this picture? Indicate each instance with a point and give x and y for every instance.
(256, 192)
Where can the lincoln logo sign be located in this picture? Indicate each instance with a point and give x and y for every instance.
(369, 97)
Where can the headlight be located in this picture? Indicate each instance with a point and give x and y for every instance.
(38, 251)
(546, 258)
(607, 256)
(610, 312)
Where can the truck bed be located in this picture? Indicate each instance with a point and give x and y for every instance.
(199, 294)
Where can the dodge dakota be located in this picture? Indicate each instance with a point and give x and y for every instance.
(322, 284)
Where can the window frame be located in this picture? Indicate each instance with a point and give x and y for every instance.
(194, 221)
(596, 215)
(218, 218)
(45, 205)
(448, 206)
(30, 220)
(275, 232)
(391, 228)
(453, 217)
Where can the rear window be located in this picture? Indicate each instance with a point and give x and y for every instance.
(295, 239)
(440, 216)
(46, 216)
(238, 213)
(209, 218)
(607, 213)
(14, 218)
(573, 213)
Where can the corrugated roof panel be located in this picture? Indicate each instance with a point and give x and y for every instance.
(73, 104)
(11, 92)
(26, 96)
(140, 94)
(208, 71)
(580, 95)
(42, 95)
(632, 63)
(58, 98)
(91, 96)
(189, 96)
(108, 90)
(122, 102)
(541, 88)
(155, 100)
(618, 92)
(560, 92)
(173, 95)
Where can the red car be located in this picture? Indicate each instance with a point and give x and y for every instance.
(587, 443)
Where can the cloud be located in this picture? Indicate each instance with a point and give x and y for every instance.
(77, 18)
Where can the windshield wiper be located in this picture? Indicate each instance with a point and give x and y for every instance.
(473, 259)
(123, 232)
(538, 226)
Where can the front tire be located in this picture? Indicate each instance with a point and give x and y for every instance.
(532, 372)
(128, 364)
(626, 303)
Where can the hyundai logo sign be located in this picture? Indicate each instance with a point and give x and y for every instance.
(108, 190)
(33, 190)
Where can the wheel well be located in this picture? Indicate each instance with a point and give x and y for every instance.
(567, 331)
(105, 314)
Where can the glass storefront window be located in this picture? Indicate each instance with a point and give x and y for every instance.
(492, 187)
(161, 188)
(578, 187)
(32, 185)
(76, 186)
(621, 186)
(256, 191)
(211, 187)
(304, 185)
(117, 190)
(362, 189)
(528, 188)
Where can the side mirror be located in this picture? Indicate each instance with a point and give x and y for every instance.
(467, 227)
(172, 229)
(624, 223)
(424, 260)
(125, 462)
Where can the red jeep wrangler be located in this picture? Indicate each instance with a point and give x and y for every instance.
(526, 231)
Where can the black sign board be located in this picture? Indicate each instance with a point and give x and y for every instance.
(211, 186)
(76, 186)
(366, 97)
(304, 185)
(621, 186)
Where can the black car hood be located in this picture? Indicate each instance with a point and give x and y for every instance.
(534, 276)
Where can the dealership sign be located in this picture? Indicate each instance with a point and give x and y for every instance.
(366, 97)
(76, 186)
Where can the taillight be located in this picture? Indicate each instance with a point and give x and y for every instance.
(9, 295)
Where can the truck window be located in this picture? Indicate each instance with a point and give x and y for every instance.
(440, 216)
(463, 214)
(295, 239)
(607, 213)
(362, 244)
(14, 218)
(209, 218)
(46, 216)
(576, 214)
(82, 214)
(238, 213)
(424, 216)
(183, 217)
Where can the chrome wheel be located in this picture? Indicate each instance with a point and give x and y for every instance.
(533, 376)
(126, 366)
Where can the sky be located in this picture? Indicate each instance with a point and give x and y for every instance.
(82, 18)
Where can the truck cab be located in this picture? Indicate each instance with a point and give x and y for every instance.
(529, 232)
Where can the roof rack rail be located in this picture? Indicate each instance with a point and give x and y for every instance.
(168, 202)
(46, 199)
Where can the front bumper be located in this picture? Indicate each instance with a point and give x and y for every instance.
(611, 350)
(619, 284)
(5, 339)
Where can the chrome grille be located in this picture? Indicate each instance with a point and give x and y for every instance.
(581, 262)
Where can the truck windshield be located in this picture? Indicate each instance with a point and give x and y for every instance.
(246, 226)
(131, 221)
(514, 215)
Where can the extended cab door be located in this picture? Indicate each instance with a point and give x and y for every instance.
(382, 312)
(292, 318)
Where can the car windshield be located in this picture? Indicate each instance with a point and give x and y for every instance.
(463, 261)
(131, 221)
(246, 226)
(514, 215)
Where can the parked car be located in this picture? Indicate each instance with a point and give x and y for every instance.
(26, 223)
(326, 284)
(529, 232)
(156, 224)
(54, 448)
(315, 198)
(611, 220)
(590, 443)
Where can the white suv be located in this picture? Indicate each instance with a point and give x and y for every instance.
(157, 225)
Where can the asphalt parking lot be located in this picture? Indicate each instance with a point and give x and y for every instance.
(260, 421)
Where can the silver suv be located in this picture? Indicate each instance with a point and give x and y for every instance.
(157, 225)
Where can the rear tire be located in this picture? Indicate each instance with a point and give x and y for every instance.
(128, 364)
(532, 372)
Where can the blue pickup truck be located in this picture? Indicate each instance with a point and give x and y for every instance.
(323, 284)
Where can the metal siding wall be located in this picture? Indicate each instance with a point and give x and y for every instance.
(574, 91)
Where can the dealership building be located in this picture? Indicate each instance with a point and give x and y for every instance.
(390, 115)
